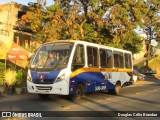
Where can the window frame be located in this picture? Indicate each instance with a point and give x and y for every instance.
(84, 59)
(130, 60)
(118, 59)
(111, 57)
(100, 62)
(88, 46)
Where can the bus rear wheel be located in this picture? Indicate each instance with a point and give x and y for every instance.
(43, 96)
(116, 90)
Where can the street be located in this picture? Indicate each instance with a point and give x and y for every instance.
(142, 96)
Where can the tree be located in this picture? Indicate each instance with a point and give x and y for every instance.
(123, 17)
(152, 18)
(34, 17)
(107, 22)
(134, 45)
(88, 20)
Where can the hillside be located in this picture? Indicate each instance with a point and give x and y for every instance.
(154, 64)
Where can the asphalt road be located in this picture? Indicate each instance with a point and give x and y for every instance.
(142, 96)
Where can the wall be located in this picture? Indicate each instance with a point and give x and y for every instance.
(9, 11)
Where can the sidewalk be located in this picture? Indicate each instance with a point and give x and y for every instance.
(5, 94)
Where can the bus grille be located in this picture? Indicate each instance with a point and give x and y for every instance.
(44, 88)
(44, 81)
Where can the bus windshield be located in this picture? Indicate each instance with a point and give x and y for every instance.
(51, 56)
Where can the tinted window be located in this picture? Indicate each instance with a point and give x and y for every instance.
(60, 53)
(118, 59)
(128, 60)
(92, 56)
(78, 59)
(105, 58)
(109, 58)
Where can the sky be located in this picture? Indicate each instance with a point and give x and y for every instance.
(24, 2)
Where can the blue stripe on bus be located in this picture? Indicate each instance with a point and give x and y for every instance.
(90, 81)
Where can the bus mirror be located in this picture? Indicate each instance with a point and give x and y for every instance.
(31, 57)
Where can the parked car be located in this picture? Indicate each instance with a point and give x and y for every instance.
(151, 72)
(139, 75)
(135, 77)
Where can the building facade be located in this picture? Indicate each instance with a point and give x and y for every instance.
(10, 29)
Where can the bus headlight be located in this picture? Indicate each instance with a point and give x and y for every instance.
(60, 78)
(29, 78)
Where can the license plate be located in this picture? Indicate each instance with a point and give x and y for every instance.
(42, 91)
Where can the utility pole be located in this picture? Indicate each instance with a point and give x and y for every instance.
(149, 32)
(148, 44)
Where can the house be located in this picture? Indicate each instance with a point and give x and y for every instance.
(10, 29)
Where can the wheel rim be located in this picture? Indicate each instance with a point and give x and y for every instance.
(78, 92)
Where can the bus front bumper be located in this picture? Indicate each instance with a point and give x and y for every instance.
(60, 88)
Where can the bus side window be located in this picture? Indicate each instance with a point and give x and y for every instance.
(118, 59)
(128, 63)
(106, 58)
(92, 54)
(109, 58)
(103, 59)
(78, 58)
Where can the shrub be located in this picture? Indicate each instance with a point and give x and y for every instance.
(19, 78)
(2, 68)
(10, 77)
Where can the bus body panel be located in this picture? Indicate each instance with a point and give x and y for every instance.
(91, 80)
(97, 80)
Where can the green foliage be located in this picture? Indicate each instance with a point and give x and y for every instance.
(85, 20)
(2, 68)
(10, 65)
(19, 78)
(9, 77)
(123, 18)
(90, 34)
(133, 42)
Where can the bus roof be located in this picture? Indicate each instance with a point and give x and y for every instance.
(88, 43)
(62, 41)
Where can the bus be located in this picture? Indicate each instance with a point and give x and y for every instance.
(79, 67)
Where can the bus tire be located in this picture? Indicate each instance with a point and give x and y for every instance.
(79, 91)
(43, 96)
(116, 90)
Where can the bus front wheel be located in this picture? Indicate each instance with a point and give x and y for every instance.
(79, 91)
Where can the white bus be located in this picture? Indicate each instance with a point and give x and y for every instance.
(79, 67)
